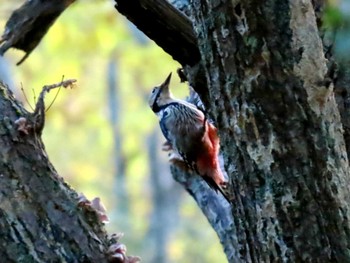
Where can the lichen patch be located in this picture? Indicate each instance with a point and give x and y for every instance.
(312, 65)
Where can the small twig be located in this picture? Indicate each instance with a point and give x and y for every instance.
(29, 23)
(63, 83)
(39, 112)
(54, 99)
(25, 96)
(47, 88)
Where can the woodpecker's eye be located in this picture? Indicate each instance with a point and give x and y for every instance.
(154, 90)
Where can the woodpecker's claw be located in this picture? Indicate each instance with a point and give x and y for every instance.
(224, 185)
(166, 147)
(174, 157)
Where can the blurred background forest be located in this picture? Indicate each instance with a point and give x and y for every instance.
(103, 138)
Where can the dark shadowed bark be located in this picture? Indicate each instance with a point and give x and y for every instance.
(291, 180)
(164, 24)
(29, 23)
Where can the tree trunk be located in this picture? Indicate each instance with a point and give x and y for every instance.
(262, 75)
(40, 219)
(291, 178)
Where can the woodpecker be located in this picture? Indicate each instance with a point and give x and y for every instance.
(188, 134)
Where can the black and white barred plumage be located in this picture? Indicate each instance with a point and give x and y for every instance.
(189, 134)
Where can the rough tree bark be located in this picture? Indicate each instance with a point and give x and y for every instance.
(263, 76)
(40, 218)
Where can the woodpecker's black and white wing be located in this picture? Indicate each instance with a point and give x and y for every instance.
(164, 123)
(183, 126)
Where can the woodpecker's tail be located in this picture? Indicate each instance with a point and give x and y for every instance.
(212, 184)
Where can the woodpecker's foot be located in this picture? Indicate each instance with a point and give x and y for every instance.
(174, 157)
(224, 185)
(166, 147)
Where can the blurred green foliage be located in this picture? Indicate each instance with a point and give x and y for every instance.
(78, 134)
(336, 22)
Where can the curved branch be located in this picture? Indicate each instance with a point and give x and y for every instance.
(29, 24)
(165, 25)
(216, 209)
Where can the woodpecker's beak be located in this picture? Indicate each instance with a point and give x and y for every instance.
(165, 84)
(159, 95)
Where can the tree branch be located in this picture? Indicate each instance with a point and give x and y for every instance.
(42, 218)
(215, 207)
(35, 201)
(279, 124)
(165, 25)
(29, 24)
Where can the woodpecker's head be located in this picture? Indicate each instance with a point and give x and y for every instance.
(160, 95)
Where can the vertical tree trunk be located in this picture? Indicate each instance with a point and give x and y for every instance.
(262, 75)
(279, 124)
